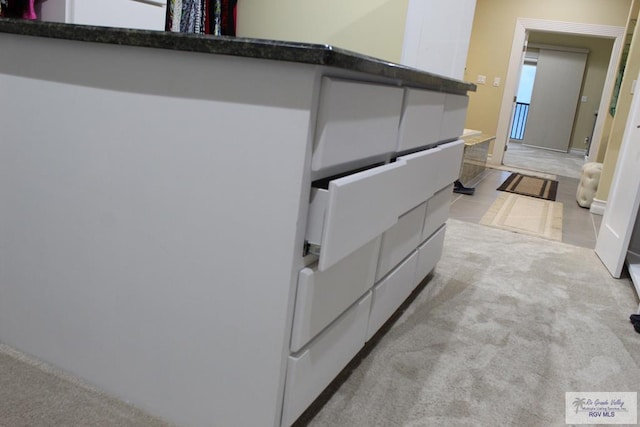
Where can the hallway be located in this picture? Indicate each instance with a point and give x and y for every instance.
(579, 226)
(537, 159)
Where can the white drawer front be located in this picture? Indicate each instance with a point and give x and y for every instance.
(355, 121)
(323, 295)
(357, 208)
(429, 254)
(389, 294)
(455, 114)
(421, 118)
(353, 211)
(448, 164)
(400, 240)
(420, 180)
(311, 371)
(437, 211)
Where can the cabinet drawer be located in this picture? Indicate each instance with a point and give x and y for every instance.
(400, 240)
(454, 116)
(428, 171)
(429, 254)
(357, 208)
(355, 121)
(311, 371)
(448, 164)
(389, 294)
(353, 211)
(437, 211)
(420, 177)
(421, 119)
(323, 295)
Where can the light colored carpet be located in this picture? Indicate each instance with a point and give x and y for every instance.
(528, 215)
(506, 326)
(34, 394)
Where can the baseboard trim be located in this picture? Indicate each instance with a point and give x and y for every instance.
(598, 206)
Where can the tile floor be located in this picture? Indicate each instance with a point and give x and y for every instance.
(579, 226)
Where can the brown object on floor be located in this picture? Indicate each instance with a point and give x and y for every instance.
(531, 186)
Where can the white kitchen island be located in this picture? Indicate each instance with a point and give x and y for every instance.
(211, 229)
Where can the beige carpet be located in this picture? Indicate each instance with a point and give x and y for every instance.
(527, 215)
(35, 394)
(507, 325)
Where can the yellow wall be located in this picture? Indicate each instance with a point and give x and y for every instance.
(371, 27)
(492, 36)
(622, 112)
(594, 78)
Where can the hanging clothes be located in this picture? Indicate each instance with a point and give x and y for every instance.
(18, 9)
(228, 17)
(215, 17)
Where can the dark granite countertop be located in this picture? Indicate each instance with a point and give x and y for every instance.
(315, 54)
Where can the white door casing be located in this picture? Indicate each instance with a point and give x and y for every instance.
(624, 198)
(513, 74)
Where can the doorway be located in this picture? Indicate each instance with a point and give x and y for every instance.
(570, 75)
(524, 25)
(554, 102)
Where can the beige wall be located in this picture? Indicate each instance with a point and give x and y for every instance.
(593, 82)
(371, 27)
(492, 36)
(622, 112)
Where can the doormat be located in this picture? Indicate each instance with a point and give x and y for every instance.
(531, 186)
(526, 215)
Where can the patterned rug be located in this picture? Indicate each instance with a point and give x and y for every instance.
(531, 186)
(526, 215)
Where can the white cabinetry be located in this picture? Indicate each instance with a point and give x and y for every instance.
(392, 213)
(138, 14)
(216, 236)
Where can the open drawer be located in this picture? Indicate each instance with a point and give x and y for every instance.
(352, 211)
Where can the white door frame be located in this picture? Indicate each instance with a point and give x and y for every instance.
(511, 81)
(624, 199)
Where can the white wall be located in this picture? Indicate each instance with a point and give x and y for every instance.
(437, 36)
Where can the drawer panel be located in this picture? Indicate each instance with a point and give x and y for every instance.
(420, 180)
(448, 164)
(400, 240)
(454, 116)
(437, 211)
(420, 123)
(355, 121)
(311, 371)
(353, 211)
(323, 295)
(429, 254)
(389, 294)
